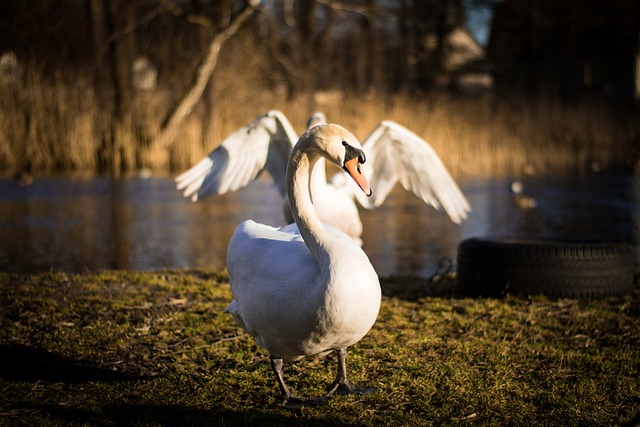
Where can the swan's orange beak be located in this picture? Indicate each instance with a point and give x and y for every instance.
(353, 168)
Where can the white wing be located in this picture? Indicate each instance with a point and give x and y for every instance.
(394, 153)
(241, 157)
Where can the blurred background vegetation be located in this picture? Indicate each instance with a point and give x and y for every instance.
(93, 85)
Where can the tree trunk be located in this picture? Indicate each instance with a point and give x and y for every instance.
(99, 28)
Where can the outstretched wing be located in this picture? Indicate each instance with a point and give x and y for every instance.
(394, 153)
(241, 157)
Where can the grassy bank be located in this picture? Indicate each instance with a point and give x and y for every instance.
(59, 123)
(122, 348)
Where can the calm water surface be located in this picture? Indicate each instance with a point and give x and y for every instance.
(86, 224)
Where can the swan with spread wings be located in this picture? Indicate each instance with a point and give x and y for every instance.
(394, 153)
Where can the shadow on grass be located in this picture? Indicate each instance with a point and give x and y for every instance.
(30, 364)
(413, 288)
(165, 415)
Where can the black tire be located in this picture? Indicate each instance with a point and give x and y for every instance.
(494, 267)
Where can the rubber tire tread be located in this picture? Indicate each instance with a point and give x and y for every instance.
(494, 267)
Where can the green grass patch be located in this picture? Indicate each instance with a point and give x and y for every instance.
(137, 349)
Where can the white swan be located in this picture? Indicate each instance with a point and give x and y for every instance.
(395, 153)
(305, 289)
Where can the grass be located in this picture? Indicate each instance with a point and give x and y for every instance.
(130, 348)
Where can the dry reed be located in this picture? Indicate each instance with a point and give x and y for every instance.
(57, 124)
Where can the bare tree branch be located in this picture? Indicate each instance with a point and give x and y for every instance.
(176, 10)
(203, 74)
(340, 6)
(131, 28)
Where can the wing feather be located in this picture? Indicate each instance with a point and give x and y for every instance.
(394, 154)
(263, 144)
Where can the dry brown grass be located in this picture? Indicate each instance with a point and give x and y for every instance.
(57, 123)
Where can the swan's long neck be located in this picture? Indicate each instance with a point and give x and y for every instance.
(318, 181)
(313, 232)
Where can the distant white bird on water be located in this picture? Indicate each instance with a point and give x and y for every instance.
(519, 199)
(306, 289)
(394, 152)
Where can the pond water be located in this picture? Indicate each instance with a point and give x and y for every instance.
(86, 224)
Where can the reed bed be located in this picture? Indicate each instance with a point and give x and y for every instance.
(57, 123)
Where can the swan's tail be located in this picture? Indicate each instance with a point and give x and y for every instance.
(234, 310)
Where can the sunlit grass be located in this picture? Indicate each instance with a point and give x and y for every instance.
(59, 123)
(125, 348)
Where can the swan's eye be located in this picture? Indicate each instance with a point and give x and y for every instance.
(344, 143)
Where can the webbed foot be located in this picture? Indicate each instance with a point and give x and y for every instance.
(341, 385)
(345, 388)
(293, 401)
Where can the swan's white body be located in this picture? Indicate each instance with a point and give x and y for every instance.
(291, 303)
(303, 289)
(395, 154)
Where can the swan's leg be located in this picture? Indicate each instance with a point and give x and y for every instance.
(289, 399)
(341, 384)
